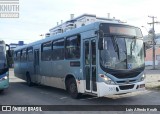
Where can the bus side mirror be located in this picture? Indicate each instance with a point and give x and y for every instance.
(101, 40)
(9, 53)
(100, 44)
(144, 44)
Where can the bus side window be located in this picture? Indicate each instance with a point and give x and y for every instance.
(15, 56)
(23, 57)
(46, 54)
(18, 55)
(73, 47)
(30, 54)
(58, 50)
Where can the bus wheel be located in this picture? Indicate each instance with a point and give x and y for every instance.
(29, 82)
(72, 88)
(1, 91)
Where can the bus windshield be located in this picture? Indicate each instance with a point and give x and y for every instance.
(2, 58)
(122, 53)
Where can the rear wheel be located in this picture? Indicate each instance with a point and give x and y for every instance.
(28, 78)
(72, 88)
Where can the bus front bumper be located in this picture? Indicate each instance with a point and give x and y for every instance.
(4, 84)
(108, 90)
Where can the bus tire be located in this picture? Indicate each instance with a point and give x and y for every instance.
(72, 88)
(28, 79)
(1, 91)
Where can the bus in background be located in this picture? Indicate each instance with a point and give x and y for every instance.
(4, 69)
(101, 58)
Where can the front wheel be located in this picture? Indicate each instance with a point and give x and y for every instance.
(29, 82)
(72, 89)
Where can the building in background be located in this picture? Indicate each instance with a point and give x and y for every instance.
(14, 45)
(148, 40)
(149, 60)
(77, 22)
(149, 53)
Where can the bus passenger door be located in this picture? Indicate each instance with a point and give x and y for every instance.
(36, 64)
(90, 65)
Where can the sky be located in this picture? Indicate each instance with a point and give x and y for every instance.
(38, 16)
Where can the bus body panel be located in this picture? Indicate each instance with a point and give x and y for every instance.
(4, 83)
(4, 70)
(108, 90)
(54, 72)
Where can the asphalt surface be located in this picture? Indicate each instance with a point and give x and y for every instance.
(19, 93)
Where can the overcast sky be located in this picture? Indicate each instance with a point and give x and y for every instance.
(38, 16)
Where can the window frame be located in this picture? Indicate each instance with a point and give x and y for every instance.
(28, 52)
(44, 51)
(61, 58)
(18, 55)
(79, 56)
(24, 55)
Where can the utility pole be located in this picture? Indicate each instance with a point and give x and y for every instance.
(153, 38)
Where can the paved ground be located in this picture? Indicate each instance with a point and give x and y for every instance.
(152, 79)
(20, 94)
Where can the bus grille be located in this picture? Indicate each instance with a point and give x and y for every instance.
(124, 87)
(125, 81)
(126, 75)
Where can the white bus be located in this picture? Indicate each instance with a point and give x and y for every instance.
(102, 58)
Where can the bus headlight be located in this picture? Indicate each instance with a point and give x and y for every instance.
(106, 79)
(7, 73)
(142, 77)
(4, 78)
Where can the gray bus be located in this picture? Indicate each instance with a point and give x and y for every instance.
(99, 59)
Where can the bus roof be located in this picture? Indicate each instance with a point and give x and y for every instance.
(65, 34)
(91, 26)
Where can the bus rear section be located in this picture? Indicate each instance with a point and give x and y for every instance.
(4, 71)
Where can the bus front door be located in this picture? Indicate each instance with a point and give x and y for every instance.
(90, 65)
(36, 65)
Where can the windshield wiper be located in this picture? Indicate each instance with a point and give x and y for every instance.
(132, 47)
(115, 45)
